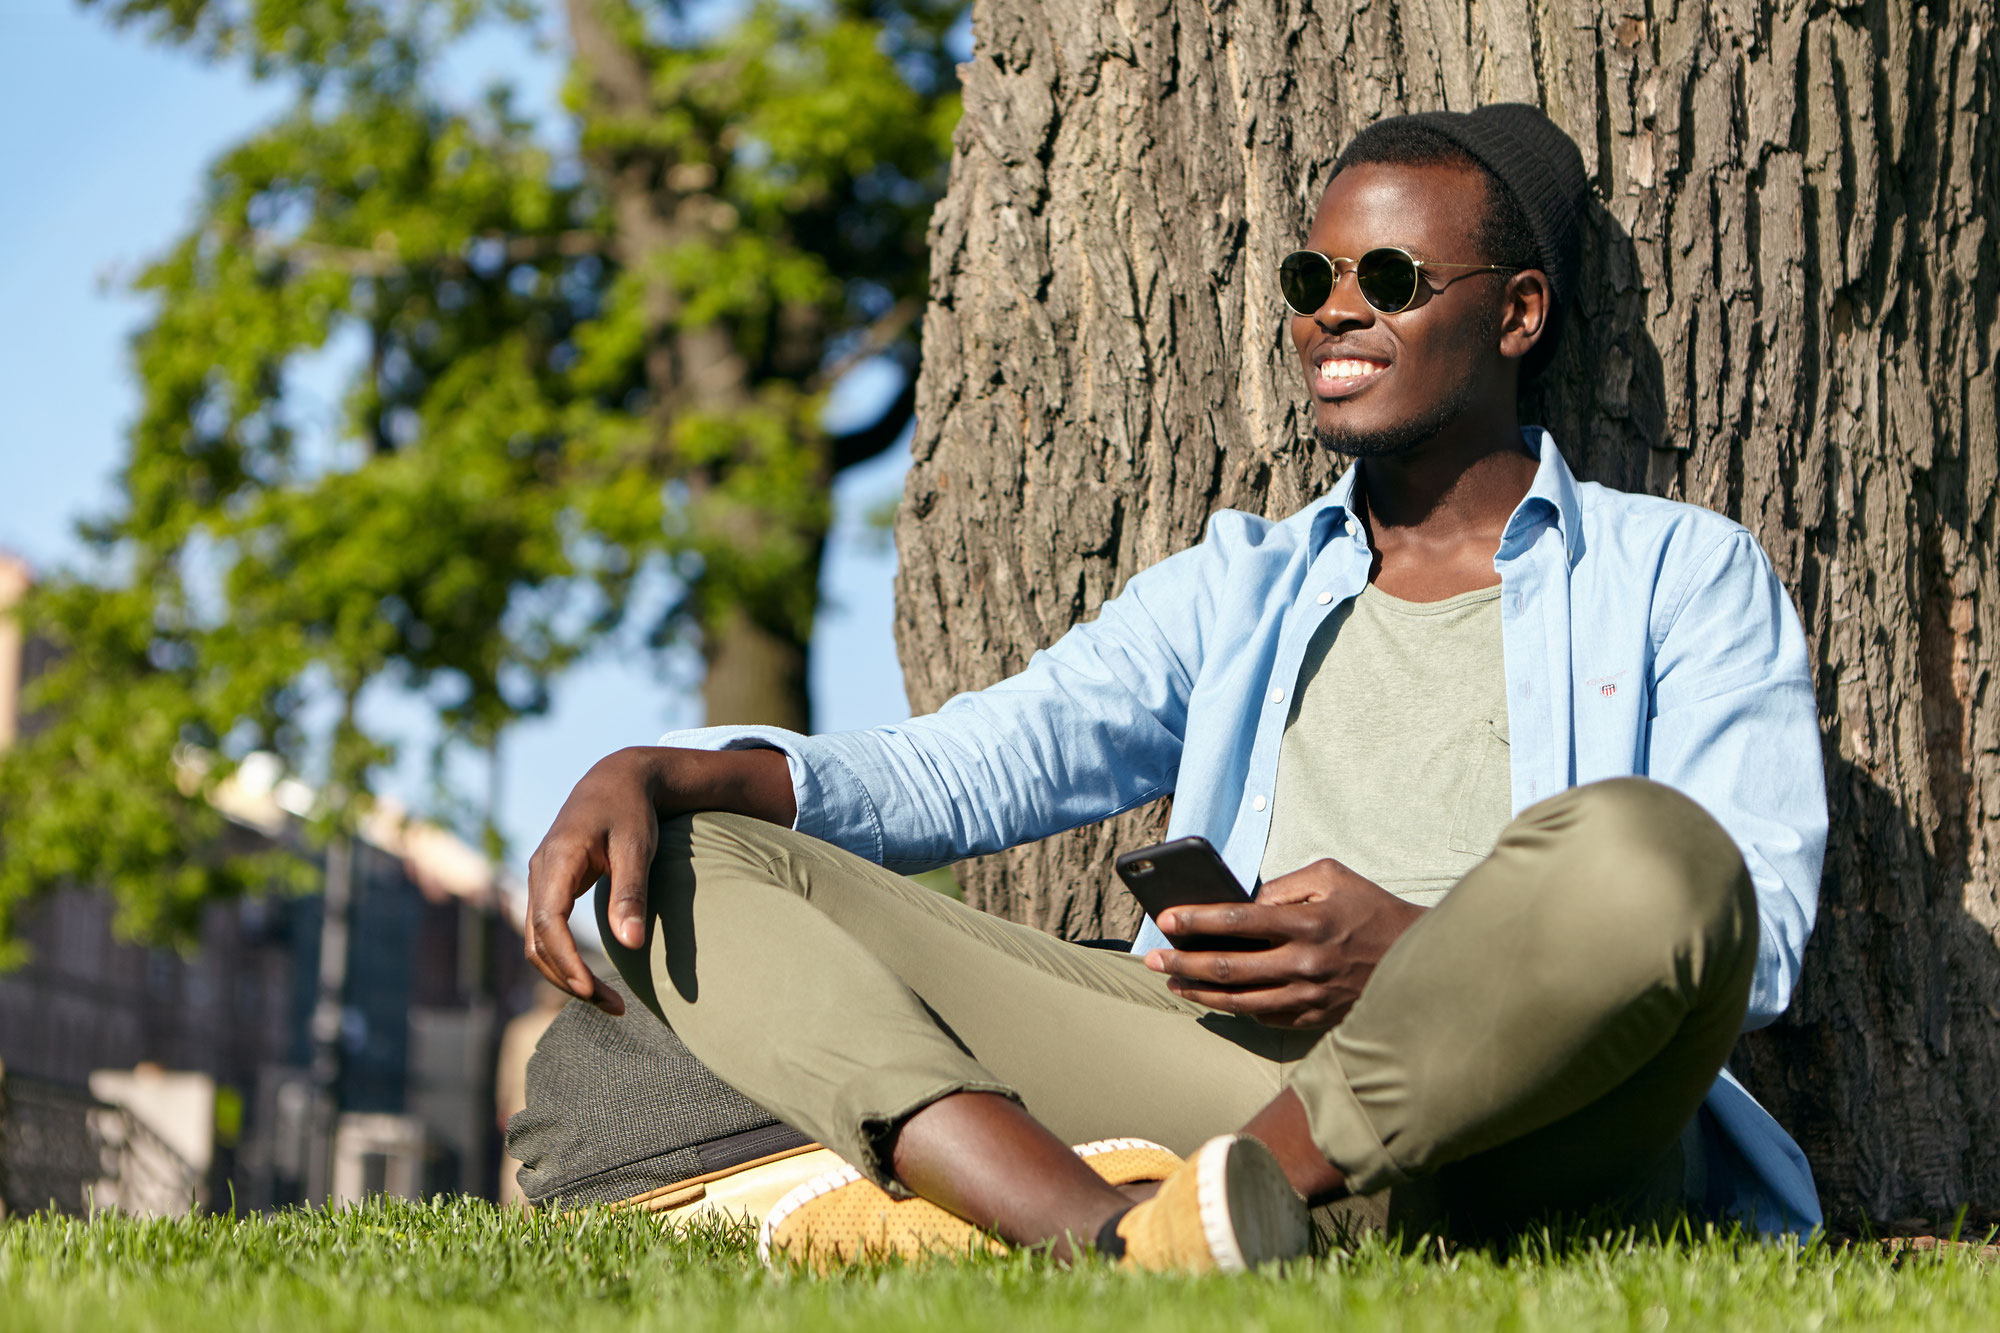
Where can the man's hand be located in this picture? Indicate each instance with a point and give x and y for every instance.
(610, 825)
(1327, 928)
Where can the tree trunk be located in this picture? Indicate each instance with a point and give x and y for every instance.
(756, 673)
(1789, 313)
(756, 664)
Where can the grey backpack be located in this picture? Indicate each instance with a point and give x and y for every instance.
(617, 1107)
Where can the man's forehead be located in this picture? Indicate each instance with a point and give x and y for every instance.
(1436, 203)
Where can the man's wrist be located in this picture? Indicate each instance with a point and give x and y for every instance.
(755, 782)
(657, 776)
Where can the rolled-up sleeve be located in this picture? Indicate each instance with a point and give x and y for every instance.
(1091, 727)
(1735, 727)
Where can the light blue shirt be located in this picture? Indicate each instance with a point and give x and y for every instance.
(1642, 637)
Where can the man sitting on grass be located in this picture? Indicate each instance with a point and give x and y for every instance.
(1528, 770)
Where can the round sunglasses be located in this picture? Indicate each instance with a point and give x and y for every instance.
(1387, 276)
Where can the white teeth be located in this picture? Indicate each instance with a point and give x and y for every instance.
(1348, 368)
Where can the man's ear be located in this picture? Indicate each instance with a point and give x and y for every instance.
(1526, 303)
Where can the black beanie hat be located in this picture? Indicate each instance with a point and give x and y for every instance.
(1536, 161)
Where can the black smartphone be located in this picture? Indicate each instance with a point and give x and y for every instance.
(1187, 872)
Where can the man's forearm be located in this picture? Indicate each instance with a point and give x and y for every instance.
(756, 782)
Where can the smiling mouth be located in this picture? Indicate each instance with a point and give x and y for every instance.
(1342, 375)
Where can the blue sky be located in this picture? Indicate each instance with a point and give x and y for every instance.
(103, 141)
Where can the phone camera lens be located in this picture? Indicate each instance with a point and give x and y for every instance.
(1142, 867)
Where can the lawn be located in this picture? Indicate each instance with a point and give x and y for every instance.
(465, 1265)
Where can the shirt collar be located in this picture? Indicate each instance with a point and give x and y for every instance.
(1552, 497)
(1330, 511)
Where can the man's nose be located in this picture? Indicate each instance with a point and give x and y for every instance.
(1345, 306)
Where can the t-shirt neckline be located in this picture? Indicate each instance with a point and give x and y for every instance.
(1391, 602)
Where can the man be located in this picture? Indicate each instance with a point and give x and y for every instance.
(1528, 770)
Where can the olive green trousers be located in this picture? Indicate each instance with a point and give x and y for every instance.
(1539, 1042)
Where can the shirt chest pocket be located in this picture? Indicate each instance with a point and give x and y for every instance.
(1485, 800)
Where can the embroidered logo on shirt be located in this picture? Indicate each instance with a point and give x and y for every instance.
(1606, 685)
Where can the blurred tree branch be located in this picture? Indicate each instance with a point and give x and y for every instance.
(384, 260)
(577, 362)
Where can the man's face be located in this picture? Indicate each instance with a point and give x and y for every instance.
(1381, 383)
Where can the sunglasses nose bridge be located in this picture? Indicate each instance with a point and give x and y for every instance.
(1337, 270)
(1355, 307)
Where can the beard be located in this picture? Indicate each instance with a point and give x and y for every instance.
(1399, 437)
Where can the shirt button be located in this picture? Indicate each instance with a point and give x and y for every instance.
(1353, 528)
(1258, 803)
(1277, 696)
(1324, 598)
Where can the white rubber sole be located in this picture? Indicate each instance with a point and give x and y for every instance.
(1089, 1150)
(1250, 1215)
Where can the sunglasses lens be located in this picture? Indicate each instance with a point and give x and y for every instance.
(1388, 279)
(1306, 279)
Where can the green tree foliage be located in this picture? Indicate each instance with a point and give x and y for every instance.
(568, 363)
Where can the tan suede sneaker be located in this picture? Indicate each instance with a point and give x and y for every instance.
(841, 1217)
(1227, 1210)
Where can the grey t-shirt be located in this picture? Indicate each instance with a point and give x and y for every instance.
(1395, 758)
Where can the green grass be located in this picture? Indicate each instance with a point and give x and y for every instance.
(465, 1265)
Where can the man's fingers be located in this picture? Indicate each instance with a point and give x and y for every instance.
(555, 881)
(1313, 882)
(1286, 1001)
(553, 951)
(1254, 921)
(1227, 969)
(1302, 885)
(631, 866)
(1297, 887)
(610, 1001)
(1257, 1002)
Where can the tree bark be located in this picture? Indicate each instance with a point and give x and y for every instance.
(1789, 313)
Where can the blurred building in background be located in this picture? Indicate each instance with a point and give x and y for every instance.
(149, 1079)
